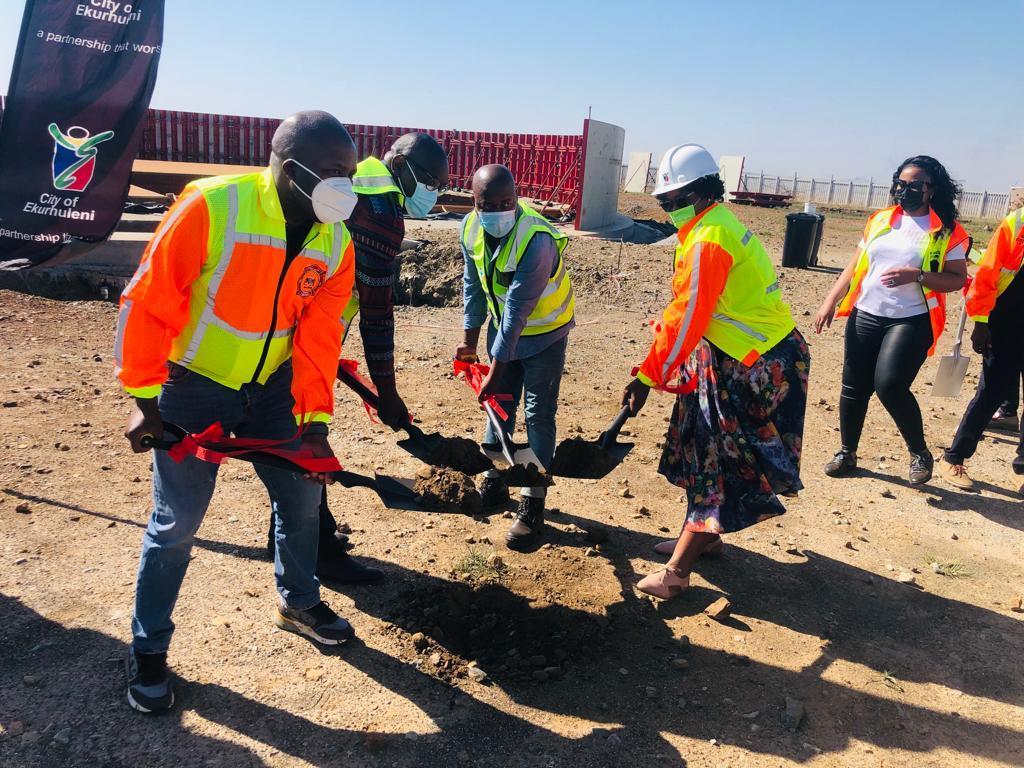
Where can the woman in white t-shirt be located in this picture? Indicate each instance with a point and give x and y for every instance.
(892, 290)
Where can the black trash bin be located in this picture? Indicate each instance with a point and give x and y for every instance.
(817, 239)
(801, 230)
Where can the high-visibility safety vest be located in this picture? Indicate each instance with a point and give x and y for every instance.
(933, 257)
(215, 293)
(372, 177)
(725, 290)
(999, 266)
(557, 302)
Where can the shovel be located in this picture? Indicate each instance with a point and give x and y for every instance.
(952, 367)
(506, 450)
(594, 460)
(395, 493)
(419, 444)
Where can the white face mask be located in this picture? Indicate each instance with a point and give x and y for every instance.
(333, 199)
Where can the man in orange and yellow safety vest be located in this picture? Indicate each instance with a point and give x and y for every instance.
(234, 316)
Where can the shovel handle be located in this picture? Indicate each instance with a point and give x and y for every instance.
(367, 395)
(609, 435)
(372, 399)
(503, 437)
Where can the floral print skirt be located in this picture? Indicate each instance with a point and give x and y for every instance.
(734, 443)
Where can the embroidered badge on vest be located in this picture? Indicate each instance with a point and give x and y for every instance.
(310, 280)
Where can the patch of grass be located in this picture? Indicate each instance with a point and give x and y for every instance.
(954, 569)
(478, 565)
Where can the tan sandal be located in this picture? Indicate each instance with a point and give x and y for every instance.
(666, 583)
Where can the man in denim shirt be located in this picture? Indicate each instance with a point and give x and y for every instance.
(514, 274)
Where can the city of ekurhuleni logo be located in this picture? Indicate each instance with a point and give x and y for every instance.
(74, 156)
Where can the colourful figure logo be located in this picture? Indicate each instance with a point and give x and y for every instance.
(74, 157)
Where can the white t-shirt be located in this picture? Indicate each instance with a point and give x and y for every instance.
(899, 247)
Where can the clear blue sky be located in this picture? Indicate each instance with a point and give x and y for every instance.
(825, 87)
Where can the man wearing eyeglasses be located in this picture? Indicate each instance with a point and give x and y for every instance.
(406, 182)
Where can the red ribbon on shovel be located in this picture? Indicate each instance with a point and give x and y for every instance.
(474, 374)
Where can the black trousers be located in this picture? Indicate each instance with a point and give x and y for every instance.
(1012, 401)
(883, 357)
(1000, 377)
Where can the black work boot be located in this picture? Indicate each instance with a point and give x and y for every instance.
(527, 526)
(493, 491)
(921, 465)
(842, 464)
(334, 565)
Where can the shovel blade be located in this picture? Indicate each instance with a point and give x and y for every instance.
(420, 447)
(598, 463)
(398, 493)
(950, 377)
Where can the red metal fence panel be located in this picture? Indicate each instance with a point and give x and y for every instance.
(547, 167)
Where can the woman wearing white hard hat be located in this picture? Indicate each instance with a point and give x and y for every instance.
(728, 346)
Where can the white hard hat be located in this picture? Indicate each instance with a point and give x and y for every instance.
(682, 165)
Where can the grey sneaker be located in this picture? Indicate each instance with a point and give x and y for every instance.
(842, 464)
(527, 526)
(921, 465)
(149, 684)
(320, 624)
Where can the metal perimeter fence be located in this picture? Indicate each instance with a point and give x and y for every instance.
(855, 194)
(869, 195)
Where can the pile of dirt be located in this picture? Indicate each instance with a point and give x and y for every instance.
(460, 454)
(581, 458)
(529, 476)
(431, 275)
(447, 490)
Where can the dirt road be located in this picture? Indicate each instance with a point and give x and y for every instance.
(580, 669)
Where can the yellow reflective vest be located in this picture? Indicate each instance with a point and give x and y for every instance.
(557, 303)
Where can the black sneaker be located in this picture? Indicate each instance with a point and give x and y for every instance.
(149, 684)
(527, 526)
(493, 491)
(842, 464)
(1005, 420)
(1018, 465)
(921, 465)
(320, 624)
(334, 565)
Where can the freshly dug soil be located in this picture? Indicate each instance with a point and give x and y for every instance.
(529, 476)
(460, 454)
(581, 458)
(431, 275)
(448, 490)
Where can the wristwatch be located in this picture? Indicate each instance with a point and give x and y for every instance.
(920, 277)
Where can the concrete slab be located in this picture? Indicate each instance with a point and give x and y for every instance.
(636, 172)
(730, 167)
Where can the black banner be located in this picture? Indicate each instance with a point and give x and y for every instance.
(83, 75)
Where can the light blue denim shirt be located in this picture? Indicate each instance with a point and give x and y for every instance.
(531, 277)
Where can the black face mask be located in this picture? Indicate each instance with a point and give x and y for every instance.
(910, 199)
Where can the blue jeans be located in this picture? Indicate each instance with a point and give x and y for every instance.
(182, 492)
(539, 377)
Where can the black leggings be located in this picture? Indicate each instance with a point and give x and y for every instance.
(883, 356)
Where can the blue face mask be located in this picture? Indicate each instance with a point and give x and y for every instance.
(497, 223)
(422, 200)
